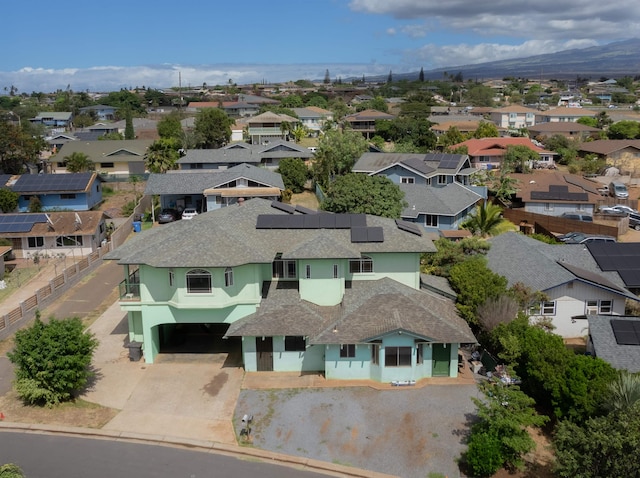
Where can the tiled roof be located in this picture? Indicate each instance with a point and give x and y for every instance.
(544, 180)
(368, 115)
(64, 224)
(539, 265)
(479, 146)
(228, 237)
(621, 357)
(358, 319)
(444, 201)
(609, 146)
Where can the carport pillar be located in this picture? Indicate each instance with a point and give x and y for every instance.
(151, 343)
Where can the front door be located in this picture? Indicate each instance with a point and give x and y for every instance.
(264, 351)
(441, 360)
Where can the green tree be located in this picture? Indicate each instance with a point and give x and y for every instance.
(449, 253)
(588, 121)
(8, 200)
(292, 101)
(336, 154)
(294, 174)
(474, 283)
(125, 100)
(361, 193)
(486, 129)
(213, 128)
(129, 133)
(504, 414)
(603, 446)
(18, 147)
(450, 137)
(83, 121)
(35, 205)
(603, 120)
(162, 155)
(504, 187)
(11, 471)
(79, 163)
(625, 129)
(170, 127)
(421, 75)
(518, 159)
(479, 95)
(485, 220)
(52, 360)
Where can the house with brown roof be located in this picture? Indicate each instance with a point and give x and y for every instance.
(554, 193)
(117, 157)
(563, 114)
(365, 121)
(488, 153)
(268, 126)
(620, 153)
(513, 117)
(465, 127)
(568, 129)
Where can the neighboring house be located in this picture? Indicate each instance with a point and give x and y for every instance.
(571, 130)
(337, 294)
(58, 120)
(267, 127)
(313, 119)
(563, 114)
(436, 209)
(209, 190)
(237, 109)
(513, 117)
(615, 340)
(103, 129)
(488, 153)
(102, 112)
(109, 156)
(57, 140)
(59, 192)
(365, 121)
(267, 156)
(554, 193)
(464, 127)
(73, 234)
(621, 153)
(574, 285)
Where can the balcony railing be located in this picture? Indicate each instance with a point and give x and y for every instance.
(129, 290)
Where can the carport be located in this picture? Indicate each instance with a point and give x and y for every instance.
(197, 338)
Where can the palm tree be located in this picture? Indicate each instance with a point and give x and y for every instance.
(162, 155)
(79, 163)
(624, 391)
(485, 220)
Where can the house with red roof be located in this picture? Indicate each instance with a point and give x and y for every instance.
(488, 153)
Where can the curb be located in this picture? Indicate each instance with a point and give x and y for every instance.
(239, 452)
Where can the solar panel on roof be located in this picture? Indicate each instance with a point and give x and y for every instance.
(343, 221)
(359, 234)
(283, 207)
(263, 222)
(327, 221)
(409, 227)
(295, 222)
(358, 220)
(625, 332)
(305, 210)
(311, 221)
(375, 234)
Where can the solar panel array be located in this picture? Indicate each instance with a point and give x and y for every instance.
(409, 227)
(449, 162)
(623, 258)
(626, 332)
(20, 222)
(51, 182)
(283, 207)
(559, 193)
(367, 234)
(311, 221)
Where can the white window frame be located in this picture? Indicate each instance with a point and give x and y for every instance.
(442, 179)
(364, 265)
(546, 308)
(605, 309)
(348, 351)
(172, 278)
(35, 242)
(407, 180)
(228, 277)
(431, 220)
(200, 274)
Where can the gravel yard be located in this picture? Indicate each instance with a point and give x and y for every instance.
(405, 432)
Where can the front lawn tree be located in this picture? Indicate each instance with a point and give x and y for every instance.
(519, 159)
(213, 128)
(52, 360)
(336, 154)
(294, 174)
(361, 193)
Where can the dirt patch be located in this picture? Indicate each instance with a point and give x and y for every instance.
(306, 199)
(123, 193)
(578, 344)
(77, 414)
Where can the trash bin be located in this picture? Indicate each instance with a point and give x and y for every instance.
(135, 351)
(137, 226)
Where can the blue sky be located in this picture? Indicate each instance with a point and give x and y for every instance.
(118, 44)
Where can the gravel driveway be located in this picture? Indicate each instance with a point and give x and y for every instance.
(405, 432)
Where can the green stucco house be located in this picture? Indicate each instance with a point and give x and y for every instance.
(289, 289)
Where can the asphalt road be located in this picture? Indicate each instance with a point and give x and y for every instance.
(50, 456)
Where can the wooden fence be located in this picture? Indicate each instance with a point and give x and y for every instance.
(559, 225)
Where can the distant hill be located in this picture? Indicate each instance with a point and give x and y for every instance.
(613, 60)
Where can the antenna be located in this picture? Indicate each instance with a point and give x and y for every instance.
(49, 222)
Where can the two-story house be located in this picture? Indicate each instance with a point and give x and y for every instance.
(101, 112)
(269, 126)
(365, 121)
(488, 153)
(313, 118)
(563, 114)
(513, 117)
(332, 293)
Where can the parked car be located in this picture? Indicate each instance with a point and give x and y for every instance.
(618, 190)
(568, 235)
(168, 215)
(576, 216)
(634, 221)
(624, 209)
(604, 190)
(189, 213)
(586, 239)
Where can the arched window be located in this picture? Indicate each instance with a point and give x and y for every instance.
(198, 281)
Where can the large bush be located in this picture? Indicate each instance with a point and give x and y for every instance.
(52, 360)
(294, 174)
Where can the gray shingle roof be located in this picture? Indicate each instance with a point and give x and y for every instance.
(228, 237)
(187, 182)
(370, 310)
(424, 163)
(539, 265)
(108, 150)
(605, 346)
(446, 201)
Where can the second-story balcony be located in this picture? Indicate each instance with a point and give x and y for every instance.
(129, 288)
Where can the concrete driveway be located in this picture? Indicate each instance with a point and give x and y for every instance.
(177, 397)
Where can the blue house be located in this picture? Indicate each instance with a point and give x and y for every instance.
(437, 187)
(102, 112)
(59, 192)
